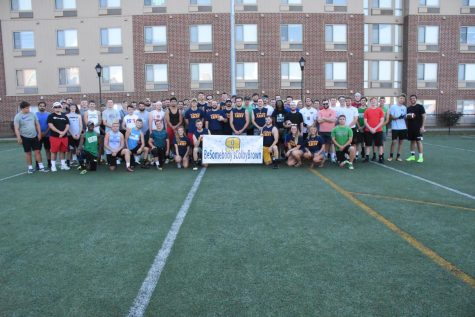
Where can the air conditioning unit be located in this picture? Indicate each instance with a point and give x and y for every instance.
(193, 8)
(149, 86)
(421, 84)
(423, 10)
(329, 8)
(329, 83)
(284, 7)
(60, 51)
(387, 12)
(375, 84)
(462, 84)
(241, 84)
(194, 47)
(285, 45)
(195, 85)
(285, 83)
(376, 11)
(422, 47)
(239, 45)
(24, 53)
(65, 13)
(329, 46)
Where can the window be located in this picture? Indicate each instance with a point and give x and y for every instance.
(111, 40)
(156, 38)
(246, 2)
(384, 74)
(428, 38)
(154, 3)
(383, 37)
(335, 37)
(24, 40)
(67, 39)
(335, 75)
(112, 78)
(201, 76)
(429, 3)
(291, 36)
(468, 3)
(155, 6)
(246, 36)
(337, 2)
(467, 35)
(156, 76)
(201, 37)
(105, 4)
(290, 75)
(200, 2)
(21, 5)
(291, 2)
(427, 75)
(26, 78)
(382, 34)
(247, 75)
(383, 7)
(381, 70)
(65, 4)
(69, 76)
(466, 73)
(386, 4)
(467, 108)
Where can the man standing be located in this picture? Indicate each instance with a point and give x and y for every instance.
(309, 115)
(293, 117)
(398, 125)
(259, 115)
(239, 120)
(28, 133)
(416, 118)
(110, 115)
(42, 116)
(373, 132)
(214, 120)
(59, 126)
(327, 119)
(191, 116)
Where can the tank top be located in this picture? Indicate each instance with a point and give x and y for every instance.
(174, 117)
(134, 138)
(260, 116)
(114, 141)
(239, 118)
(93, 116)
(268, 137)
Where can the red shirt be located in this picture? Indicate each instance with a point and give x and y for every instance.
(373, 117)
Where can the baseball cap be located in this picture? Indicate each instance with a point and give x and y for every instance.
(57, 105)
(90, 123)
(228, 100)
(358, 94)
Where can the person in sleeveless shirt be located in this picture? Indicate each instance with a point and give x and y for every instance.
(173, 118)
(115, 148)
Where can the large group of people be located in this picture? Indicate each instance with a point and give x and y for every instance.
(153, 134)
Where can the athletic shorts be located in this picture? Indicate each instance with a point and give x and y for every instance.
(355, 136)
(146, 137)
(360, 136)
(266, 155)
(399, 135)
(340, 155)
(112, 160)
(135, 149)
(414, 134)
(327, 137)
(73, 143)
(30, 144)
(376, 139)
(58, 144)
(45, 142)
(190, 137)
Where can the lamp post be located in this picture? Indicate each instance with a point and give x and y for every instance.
(99, 75)
(302, 65)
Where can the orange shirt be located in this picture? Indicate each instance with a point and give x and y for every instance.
(373, 116)
(327, 114)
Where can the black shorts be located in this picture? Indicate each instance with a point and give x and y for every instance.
(414, 134)
(399, 134)
(340, 155)
(360, 136)
(30, 144)
(146, 137)
(112, 160)
(355, 136)
(45, 142)
(327, 137)
(135, 149)
(373, 139)
(73, 143)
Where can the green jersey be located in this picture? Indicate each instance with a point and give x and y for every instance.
(385, 110)
(342, 134)
(91, 142)
(361, 111)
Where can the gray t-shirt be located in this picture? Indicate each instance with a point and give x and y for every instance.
(27, 124)
(74, 123)
(110, 115)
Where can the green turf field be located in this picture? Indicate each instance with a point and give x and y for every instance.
(255, 241)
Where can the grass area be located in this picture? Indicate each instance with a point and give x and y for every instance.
(255, 242)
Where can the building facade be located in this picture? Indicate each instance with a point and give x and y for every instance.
(159, 48)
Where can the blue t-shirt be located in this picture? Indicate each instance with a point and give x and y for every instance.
(134, 138)
(314, 144)
(160, 138)
(183, 144)
(192, 116)
(43, 120)
(289, 141)
(213, 120)
(239, 118)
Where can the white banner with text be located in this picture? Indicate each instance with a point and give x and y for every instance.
(232, 149)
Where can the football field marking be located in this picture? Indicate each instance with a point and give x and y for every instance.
(148, 286)
(9, 177)
(427, 181)
(466, 278)
(449, 147)
(8, 150)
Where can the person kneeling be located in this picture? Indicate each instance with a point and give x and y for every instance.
(115, 148)
(342, 137)
(293, 144)
(88, 149)
(182, 148)
(314, 148)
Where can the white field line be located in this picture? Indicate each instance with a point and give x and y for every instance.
(427, 181)
(9, 177)
(1, 151)
(449, 147)
(148, 286)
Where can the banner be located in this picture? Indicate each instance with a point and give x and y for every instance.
(232, 149)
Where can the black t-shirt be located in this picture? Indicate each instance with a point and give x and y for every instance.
(279, 117)
(295, 118)
(418, 110)
(59, 121)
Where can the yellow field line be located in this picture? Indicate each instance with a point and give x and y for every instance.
(466, 278)
(412, 201)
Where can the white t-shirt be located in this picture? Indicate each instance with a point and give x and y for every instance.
(129, 120)
(309, 116)
(93, 116)
(350, 113)
(157, 115)
(270, 110)
(397, 111)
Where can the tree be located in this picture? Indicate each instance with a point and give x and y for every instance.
(450, 118)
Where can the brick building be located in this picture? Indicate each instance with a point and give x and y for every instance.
(158, 48)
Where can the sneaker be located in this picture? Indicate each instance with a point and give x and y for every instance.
(411, 158)
(390, 159)
(399, 159)
(53, 168)
(44, 170)
(373, 158)
(195, 168)
(381, 160)
(420, 160)
(31, 170)
(178, 165)
(366, 160)
(83, 172)
(350, 166)
(129, 169)
(74, 163)
(65, 168)
(159, 168)
(167, 161)
(275, 166)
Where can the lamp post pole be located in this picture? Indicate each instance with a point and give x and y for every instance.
(99, 75)
(302, 66)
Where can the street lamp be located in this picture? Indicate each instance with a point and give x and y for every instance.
(302, 66)
(99, 75)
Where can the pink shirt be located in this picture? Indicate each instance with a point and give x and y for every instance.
(327, 114)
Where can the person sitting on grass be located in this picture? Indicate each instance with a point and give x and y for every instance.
(294, 144)
(314, 149)
(342, 137)
(160, 144)
(270, 136)
(198, 143)
(114, 146)
(182, 148)
(136, 144)
(88, 149)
